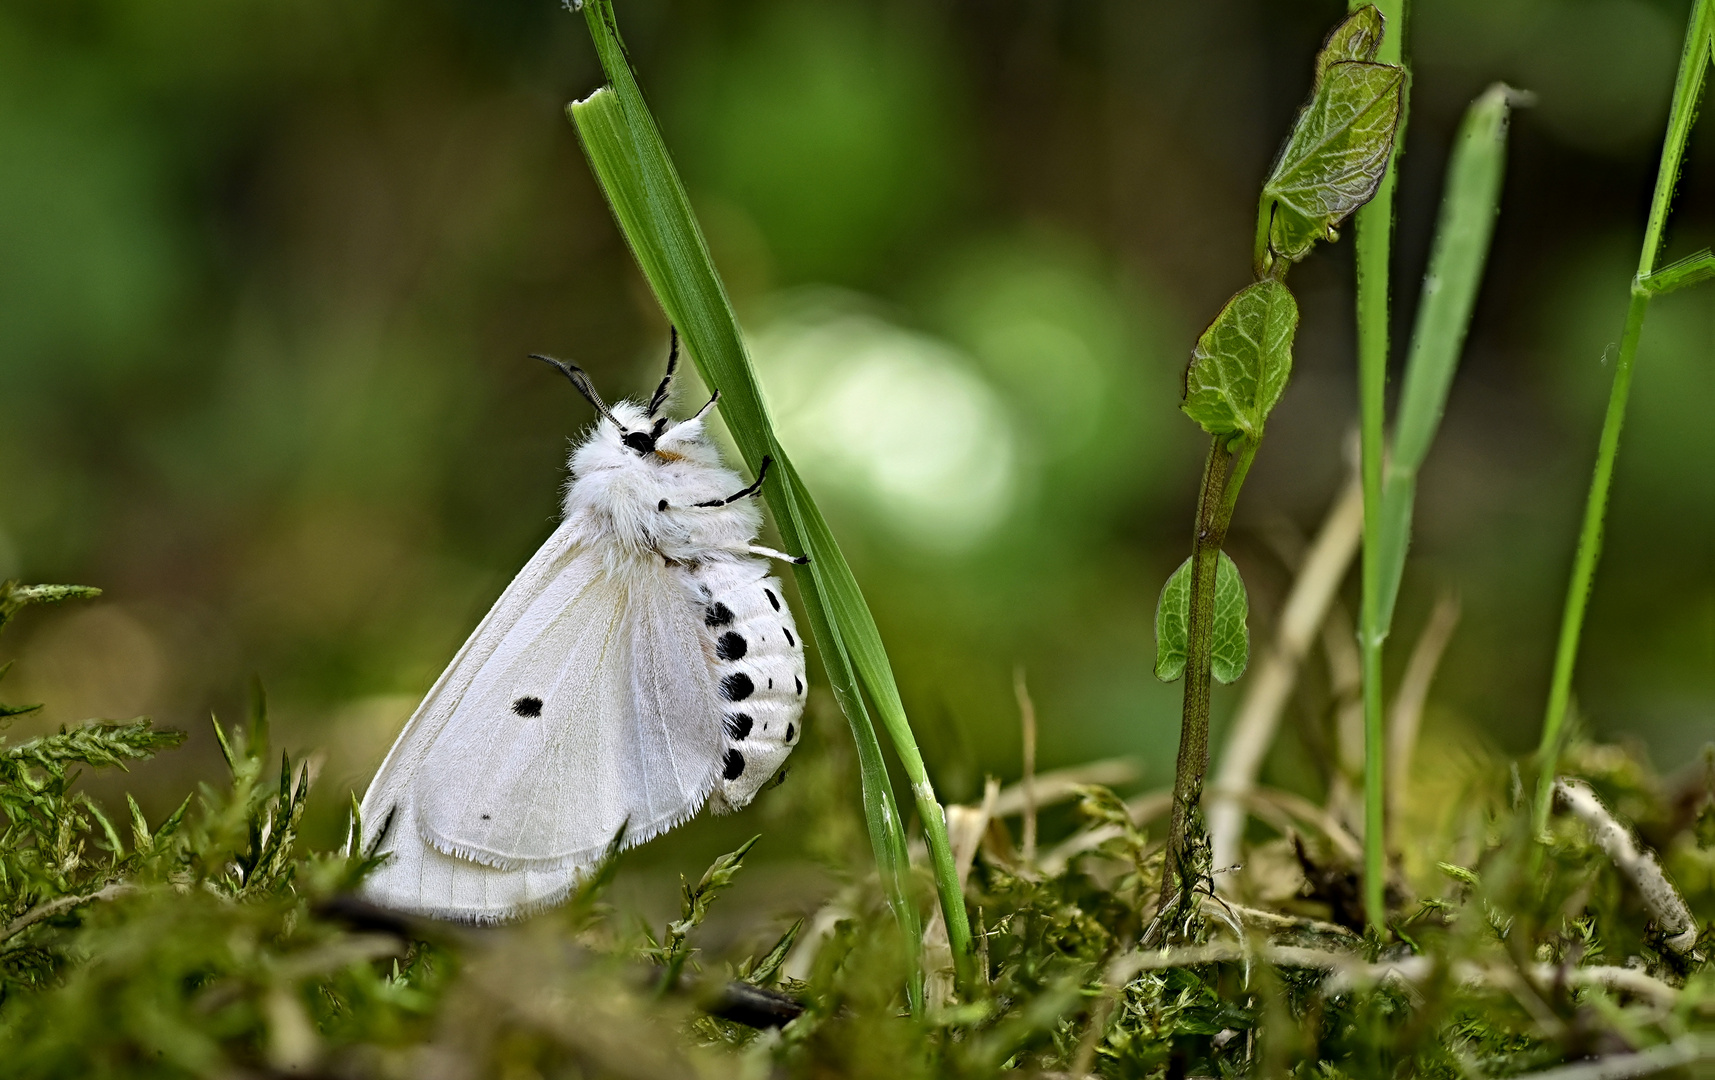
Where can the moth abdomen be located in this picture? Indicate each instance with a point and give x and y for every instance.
(757, 661)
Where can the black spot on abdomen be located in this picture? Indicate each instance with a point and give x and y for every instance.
(738, 725)
(737, 686)
(733, 767)
(528, 706)
(717, 615)
(731, 646)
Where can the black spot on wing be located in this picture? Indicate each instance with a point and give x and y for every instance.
(737, 686)
(791, 732)
(738, 725)
(772, 599)
(717, 615)
(528, 706)
(789, 639)
(731, 646)
(733, 767)
(800, 683)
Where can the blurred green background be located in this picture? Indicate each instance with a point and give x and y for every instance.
(269, 272)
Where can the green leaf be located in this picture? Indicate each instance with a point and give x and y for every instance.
(1241, 363)
(1357, 38)
(694, 904)
(14, 597)
(1231, 634)
(767, 970)
(1172, 624)
(1336, 155)
(1232, 649)
(1470, 201)
(141, 838)
(96, 743)
(1677, 275)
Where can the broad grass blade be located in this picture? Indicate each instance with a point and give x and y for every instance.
(1470, 200)
(636, 173)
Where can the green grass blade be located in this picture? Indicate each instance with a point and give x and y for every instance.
(1687, 271)
(1688, 88)
(636, 174)
(1469, 203)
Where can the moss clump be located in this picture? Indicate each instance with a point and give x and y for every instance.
(214, 943)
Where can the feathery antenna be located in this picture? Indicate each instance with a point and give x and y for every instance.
(580, 379)
(660, 397)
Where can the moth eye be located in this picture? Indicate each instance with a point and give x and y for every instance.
(731, 646)
(734, 766)
(528, 706)
(737, 686)
(738, 725)
(640, 441)
(718, 615)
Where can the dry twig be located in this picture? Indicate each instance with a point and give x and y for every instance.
(1027, 721)
(1406, 717)
(1661, 899)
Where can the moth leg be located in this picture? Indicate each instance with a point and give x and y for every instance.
(745, 492)
(770, 553)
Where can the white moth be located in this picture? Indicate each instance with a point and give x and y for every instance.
(642, 664)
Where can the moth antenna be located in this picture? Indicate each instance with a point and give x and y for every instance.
(660, 397)
(755, 486)
(711, 404)
(581, 380)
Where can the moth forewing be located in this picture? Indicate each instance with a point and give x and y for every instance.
(641, 665)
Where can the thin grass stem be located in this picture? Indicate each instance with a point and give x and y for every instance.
(1374, 252)
(1688, 88)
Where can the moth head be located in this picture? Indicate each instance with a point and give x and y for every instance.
(636, 429)
(688, 440)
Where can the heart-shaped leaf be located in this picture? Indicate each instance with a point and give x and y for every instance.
(1241, 363)
(1336, 156)
(1357, 38)
(1231, 634)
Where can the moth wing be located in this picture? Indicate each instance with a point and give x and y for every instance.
(595, 713)
(556, 562)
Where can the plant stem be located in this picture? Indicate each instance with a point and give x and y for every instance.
(1687, 89)
(1187, 844)
(1374, 250)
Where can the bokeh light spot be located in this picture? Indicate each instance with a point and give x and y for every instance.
(892, 418)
